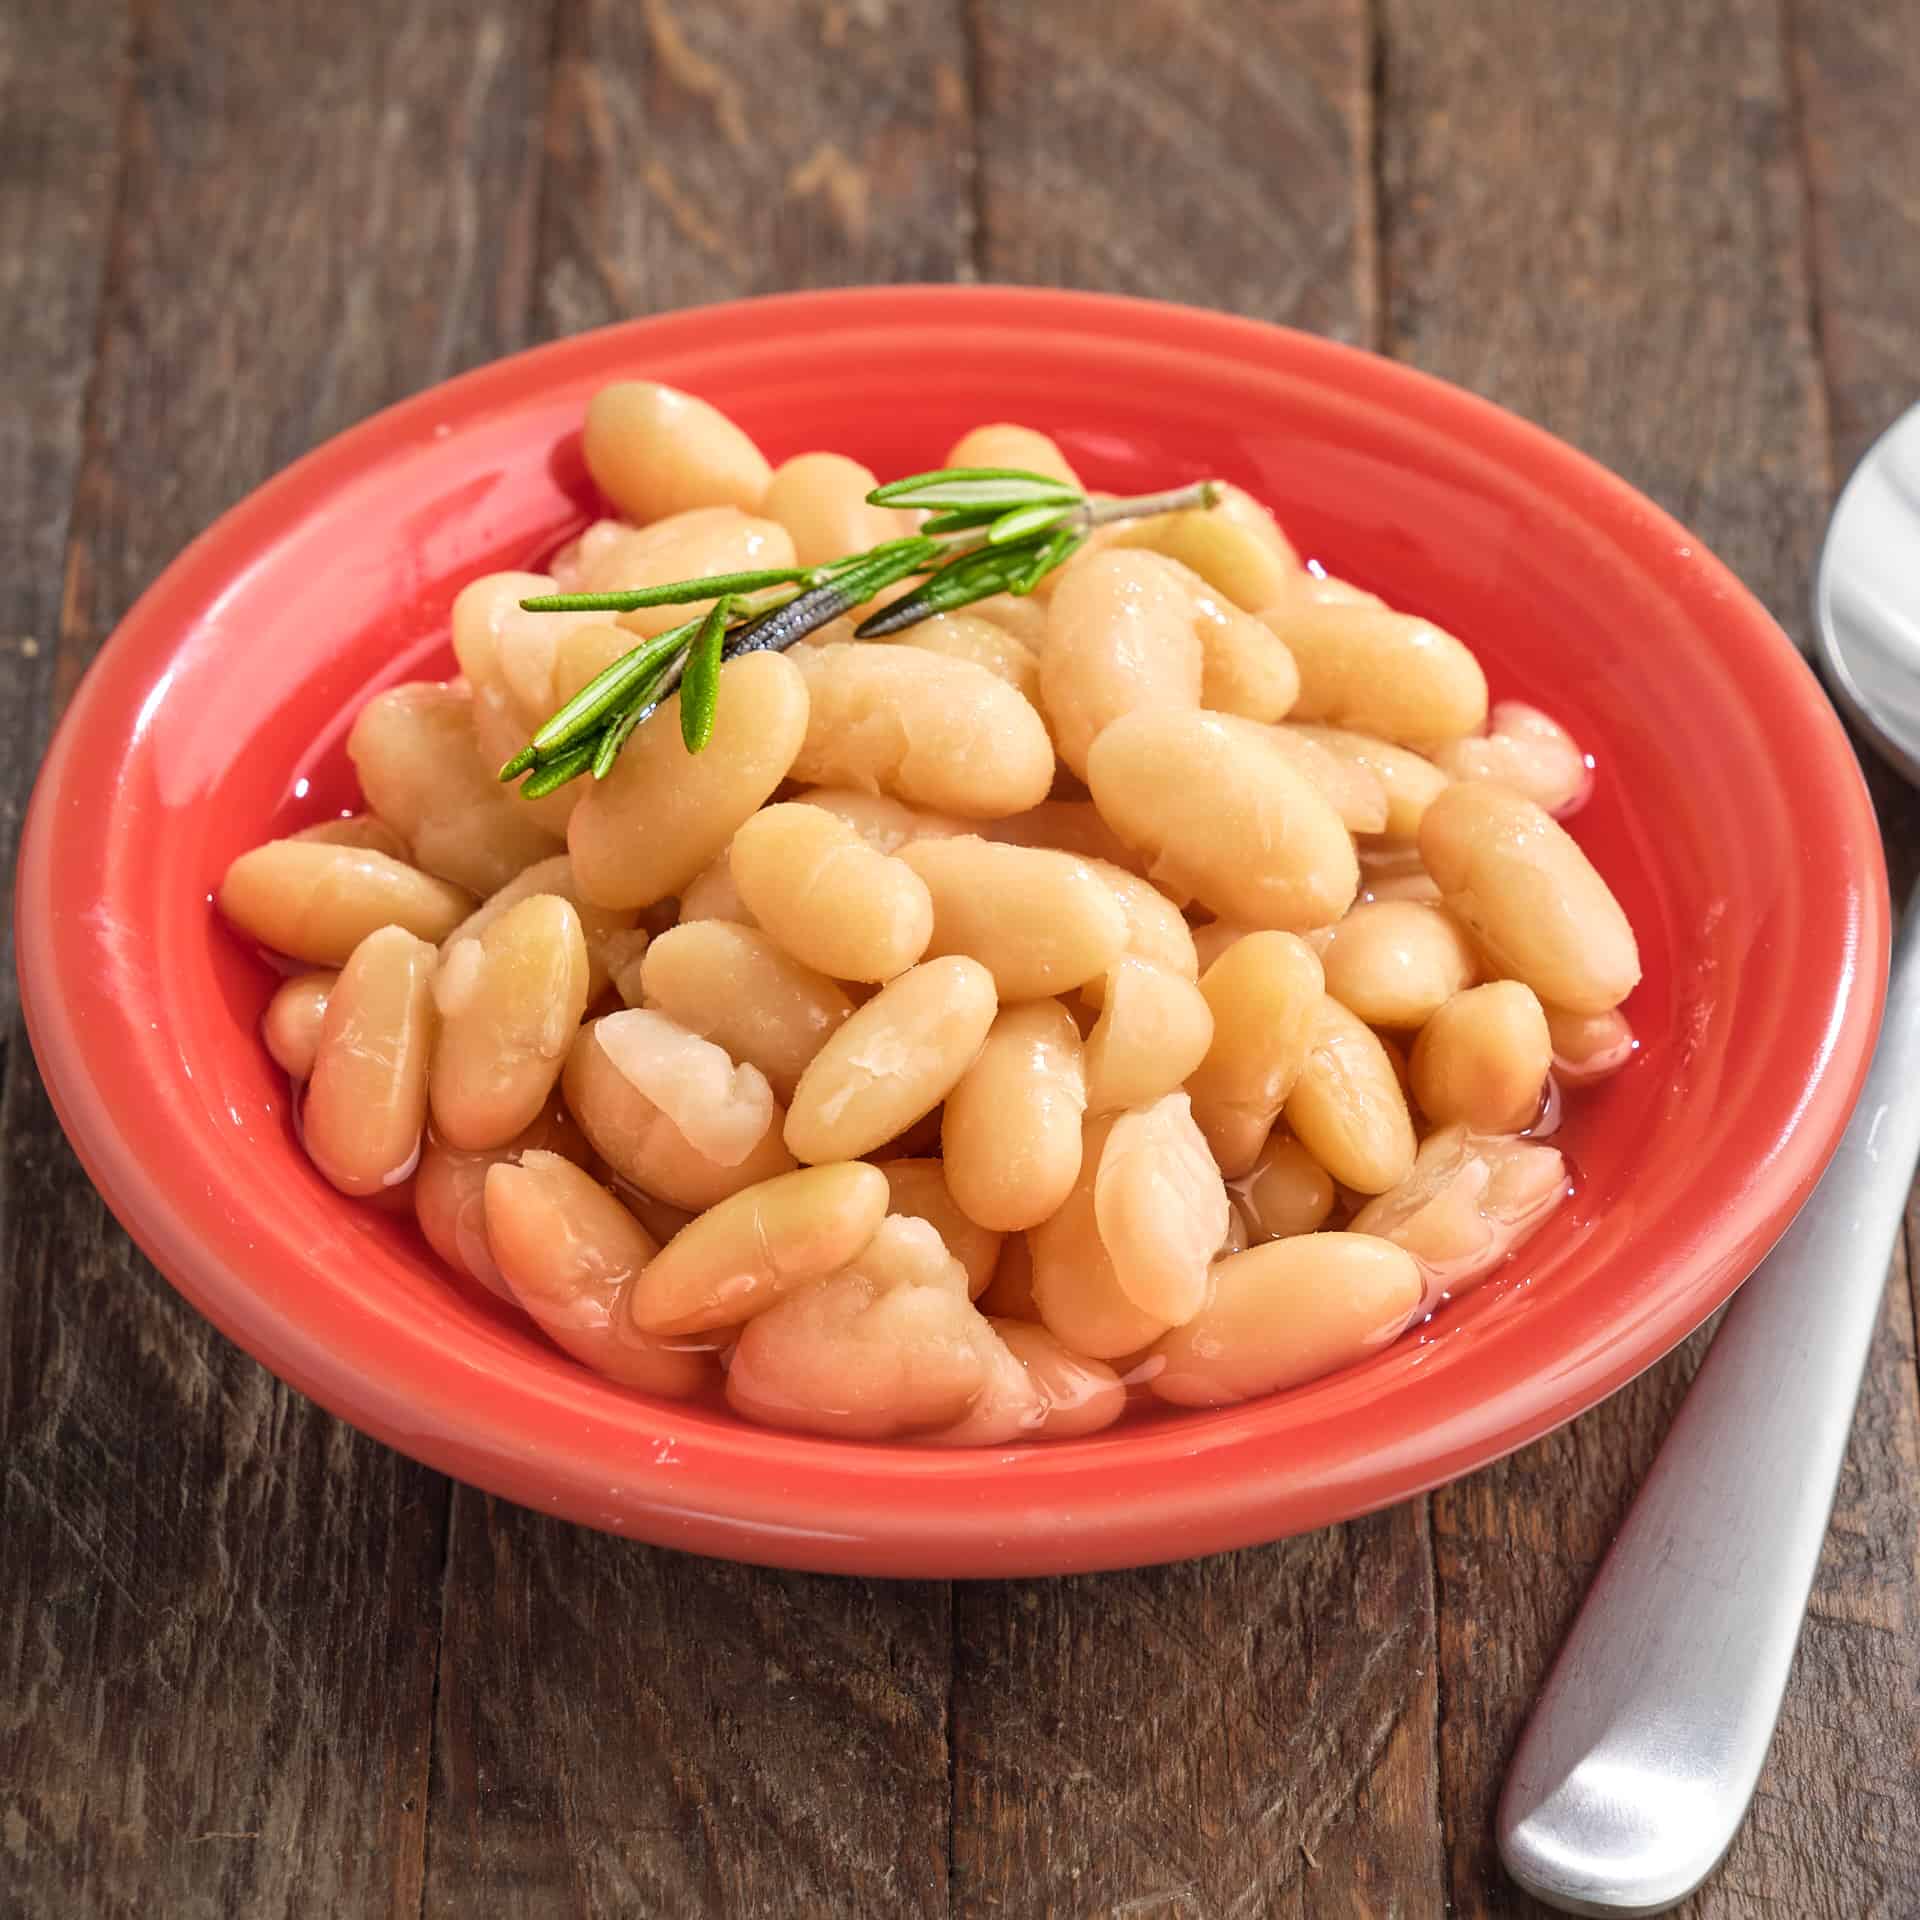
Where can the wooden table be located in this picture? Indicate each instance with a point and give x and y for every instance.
(254, 1664)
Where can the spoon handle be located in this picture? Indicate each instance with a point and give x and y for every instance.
(1635, 1771)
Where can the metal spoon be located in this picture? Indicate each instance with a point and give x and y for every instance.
(1634, 1774)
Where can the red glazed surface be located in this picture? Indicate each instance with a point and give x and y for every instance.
(1729, 817)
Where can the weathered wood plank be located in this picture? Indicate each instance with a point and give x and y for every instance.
(619, 1729)
(1251, 1734)
(221, 1606)
(1635, 199)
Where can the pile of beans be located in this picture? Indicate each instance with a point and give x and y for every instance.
(1153, 987)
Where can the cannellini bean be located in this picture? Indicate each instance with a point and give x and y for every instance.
(895, 1059)
(1238, 1238)
(601, 927)
(663, 813)
(1394, 872)
(1213, 939)
(292, 1022)
(1120, 637)
(1395, 962)
(659, 1218)
(1286, 1191)
(357, 830)
(1160, 1207)
(1069, 826)
(1002, 444)
(1156, 931)
(686, 547)
(1265, 993)
(711, 895)
(1526, 750)
(317, 901)
(734, 986)
(930, 730)
(1326, 589)
(1588, 1047)
(568, 1250)
(1154, 1030)
(642, 1143)
(1224, 818)
(967, 636)
(509, 1003)
(1527, 893)
(821, 500)
(653, 450)
(917, 1186)
(1009, 1405)
(510, 659)
(1081, 1396)
(1285, 1313)
(1245, 667)
(1039, 922)
(623, 954)
(1074, 1285)
(883, 823)
(743, 1253)
(1011, 1130)
(1020, 615)
(1009, 1293)
(1469, 1202)
(1347, 1107)
(1483, 1058)
(1371, 670)
(366, 1100)
(1408, 781)
(420, 768)
(1353, 791)
(450, 1189)
(720, 1109)
(828, 897)
(1236, 547)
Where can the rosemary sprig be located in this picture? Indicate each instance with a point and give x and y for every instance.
(990, 530)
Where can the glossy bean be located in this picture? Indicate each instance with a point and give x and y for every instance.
(1009, 1293)
(712, 895)
(1371, 670)
(733, 985)
(1018, 614)
(642, 1142)
(599, 926)
(1068, 826)
(1160, 1208)
(930, 730)
(1526, 750)
(1482, 1059)
(1156, 930)
(816, 886)
(1409, 781)
(1530, 896)
(687, 547)
(821, 500)
(1002, 444)
(316, 901)
(663, 814)
(1236, 547)
(1286, 1313)
(1347, 1108)
(917, 1186)
(1222, 817)
(1011, 1131)
(653, 450)
(966, 636)
(1351, 789)
(569, 1252)
(746, 1251)
(1589, 1047)
(885, 824)
(1396, 962)
(1040, 922)
(292, 1023)
(1080, 1396)
(895, 1059)
(1213, 938)
(1265, 993)
(1154, 1030)
(1285, 1192)
(363, 830)
(366, 1101)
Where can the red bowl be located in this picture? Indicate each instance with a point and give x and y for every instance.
(1729, 816)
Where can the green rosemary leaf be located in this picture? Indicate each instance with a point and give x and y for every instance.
(1050, 554)
(1023, 522)
(700, 678)
(558, 771)
(973, 576)
(617, 736)
(961, 519)
(609, 689)
(518, 765)
(814, 608)
(676, 593)
(1001, 487)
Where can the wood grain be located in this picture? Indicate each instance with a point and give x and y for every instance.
(1637, 196)
(1216, 154)
(839, 150)
(622, 1730)
(1251, 1734)
(221, 1606)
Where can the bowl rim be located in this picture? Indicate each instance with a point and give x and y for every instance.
(794, 1501)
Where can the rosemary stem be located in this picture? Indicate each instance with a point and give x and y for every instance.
(1203, 493)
